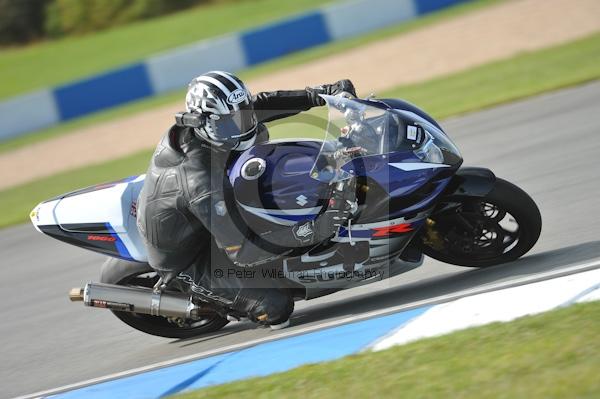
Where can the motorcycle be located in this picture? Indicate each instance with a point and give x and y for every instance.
(410, 197)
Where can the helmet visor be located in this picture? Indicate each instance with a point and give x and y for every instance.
(234, 126)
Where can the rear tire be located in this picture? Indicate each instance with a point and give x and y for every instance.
(122, 272)
(447, 238)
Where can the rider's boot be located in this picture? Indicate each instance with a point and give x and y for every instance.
(267, 306)
(225, 287)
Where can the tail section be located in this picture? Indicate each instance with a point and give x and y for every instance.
(100, 218)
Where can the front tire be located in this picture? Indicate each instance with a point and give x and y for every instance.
(484, 231)
(122, 272)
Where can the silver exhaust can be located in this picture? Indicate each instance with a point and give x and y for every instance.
(138, 300)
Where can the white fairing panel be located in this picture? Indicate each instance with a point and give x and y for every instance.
(108, 205)
(114, 207)
(43, 214)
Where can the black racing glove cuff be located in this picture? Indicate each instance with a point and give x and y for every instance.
(313, 96)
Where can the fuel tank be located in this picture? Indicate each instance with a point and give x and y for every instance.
(272, 183)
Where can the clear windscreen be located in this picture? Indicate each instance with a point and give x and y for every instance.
(354, 129)
(357, 129)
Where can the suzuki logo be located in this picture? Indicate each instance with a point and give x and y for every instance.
(301, 200)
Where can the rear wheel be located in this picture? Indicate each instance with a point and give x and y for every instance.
(132, 274)
(484, 231)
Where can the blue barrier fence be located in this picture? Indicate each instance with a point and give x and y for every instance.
(174, 69)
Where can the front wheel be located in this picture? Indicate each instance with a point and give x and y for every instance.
(132, 274)
(484, 231)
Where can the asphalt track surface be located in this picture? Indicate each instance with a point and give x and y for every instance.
(548, 145)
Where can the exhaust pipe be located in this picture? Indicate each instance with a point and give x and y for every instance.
(136, 299)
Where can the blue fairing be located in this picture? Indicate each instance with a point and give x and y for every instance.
(406, 106)
(395, 181)
(399, 181)
(275, 195)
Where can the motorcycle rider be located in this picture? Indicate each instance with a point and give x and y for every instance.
(183, 215)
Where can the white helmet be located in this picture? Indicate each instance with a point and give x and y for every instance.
(229, 121)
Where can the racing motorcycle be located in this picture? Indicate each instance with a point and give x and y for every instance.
(410, 196)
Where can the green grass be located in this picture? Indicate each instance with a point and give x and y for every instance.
(551, 355)
(518, 77)
(263, 69)
(54, 62)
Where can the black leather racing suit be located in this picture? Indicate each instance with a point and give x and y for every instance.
(182, 203)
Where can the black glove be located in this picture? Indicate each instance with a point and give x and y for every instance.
(344, 85)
